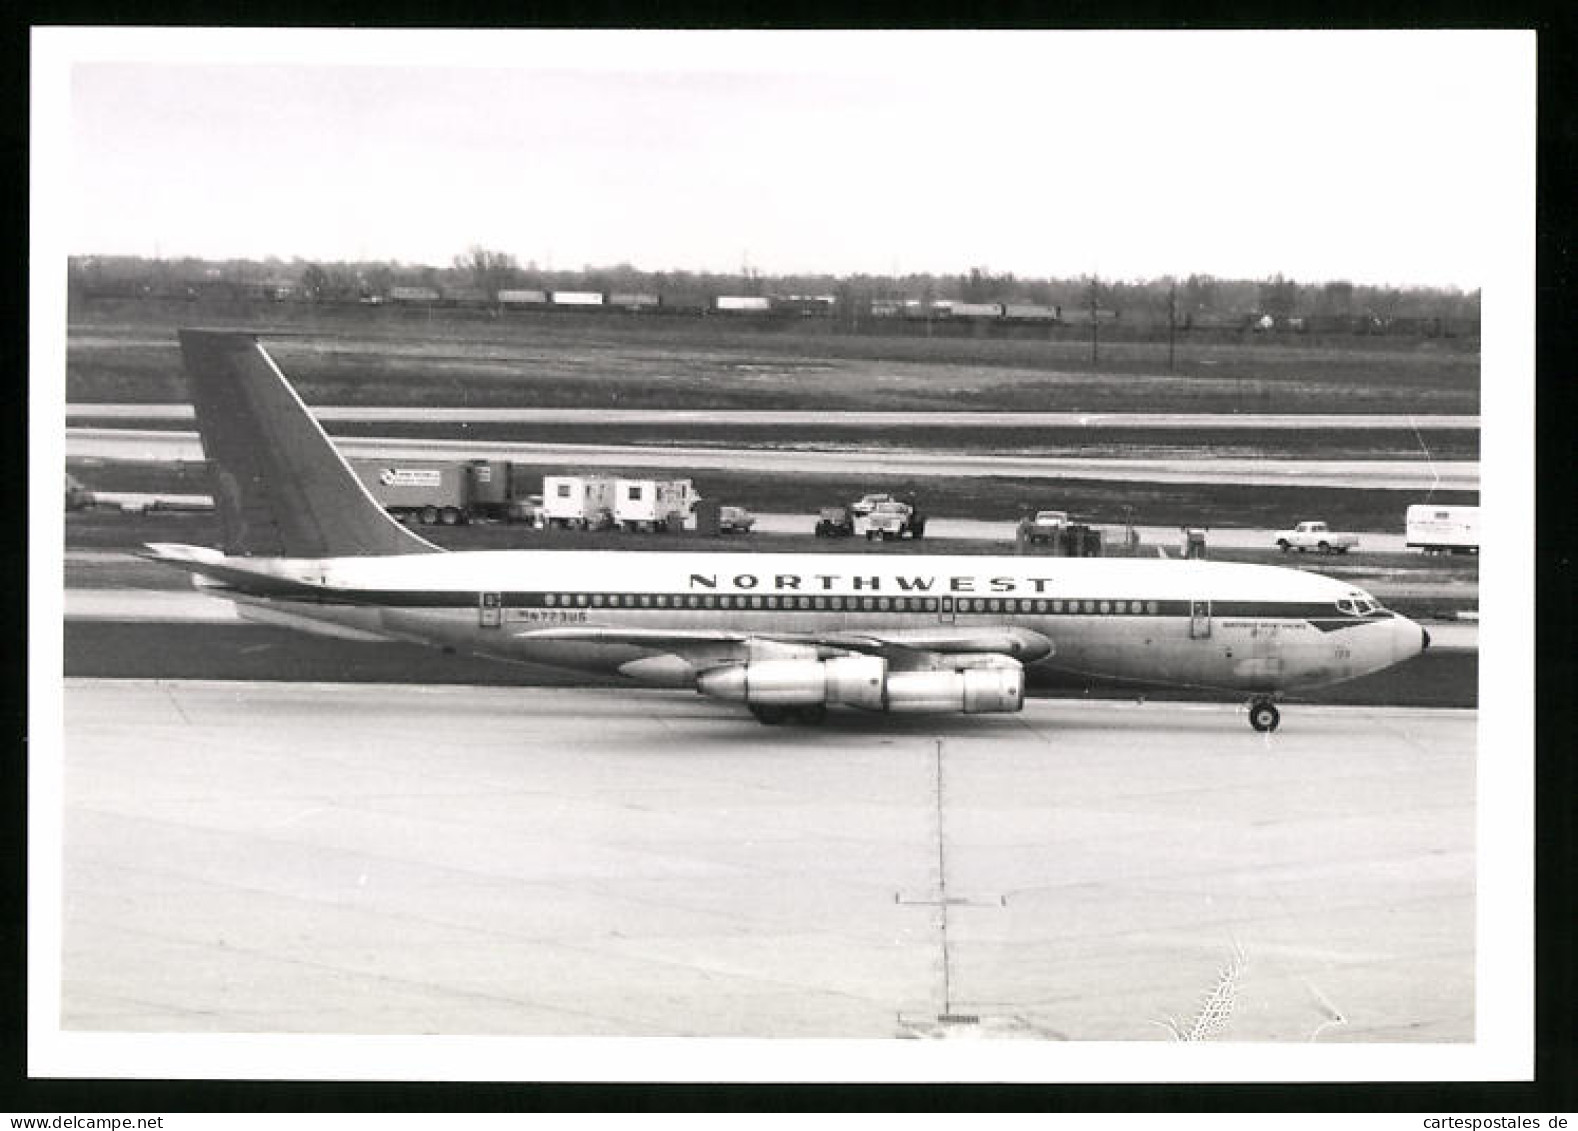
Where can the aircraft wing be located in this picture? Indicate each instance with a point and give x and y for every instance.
(902, 648)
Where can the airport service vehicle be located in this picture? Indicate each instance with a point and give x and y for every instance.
(835, 522)
(735, 520)
(786, 635)
(582, 502)
(1315, 536)
(653, 504)
(1437, 530)
(893, 520)
(864, 505)
(441, 491)
(1046, 526)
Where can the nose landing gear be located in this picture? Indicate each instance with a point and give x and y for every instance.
(1263, 715)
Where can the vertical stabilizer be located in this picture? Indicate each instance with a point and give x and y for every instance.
(280, 487)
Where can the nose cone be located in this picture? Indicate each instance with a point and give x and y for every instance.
(1409, 639)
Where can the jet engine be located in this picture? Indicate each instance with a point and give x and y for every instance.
(866, 682)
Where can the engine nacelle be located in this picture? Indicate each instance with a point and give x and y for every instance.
(866, 682)
(853, 680)
(974, 691)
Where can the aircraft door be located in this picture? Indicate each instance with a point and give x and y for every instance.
(490, 609)
(1199, 620)
(945, 610)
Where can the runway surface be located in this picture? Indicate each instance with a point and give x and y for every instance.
(315, 858)
(733, 418)
(153, 445)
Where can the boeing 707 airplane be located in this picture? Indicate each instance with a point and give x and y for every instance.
(787, 635)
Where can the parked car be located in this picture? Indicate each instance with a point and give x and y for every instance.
(735, 520)
(835, 522)
(1046, 526)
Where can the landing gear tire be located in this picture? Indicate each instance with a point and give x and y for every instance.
(1264, 716)
(768, 714)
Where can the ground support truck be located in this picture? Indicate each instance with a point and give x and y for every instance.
(653, 504)
(579, 502)
(440, 491)
(1439, 530)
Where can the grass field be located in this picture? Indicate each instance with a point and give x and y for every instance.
(126, 352)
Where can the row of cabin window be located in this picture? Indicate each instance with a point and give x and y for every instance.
(848, 604)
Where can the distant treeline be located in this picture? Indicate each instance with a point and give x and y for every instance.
(482, 278)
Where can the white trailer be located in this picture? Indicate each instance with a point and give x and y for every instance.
(742, 304)
(653, 504)
(523, 297)
(577, 298)
(1437, 529)
(977, 309)
(580, 501)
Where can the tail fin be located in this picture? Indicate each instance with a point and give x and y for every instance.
(281, 488)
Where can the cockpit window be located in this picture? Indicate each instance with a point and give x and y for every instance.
(1358, 604)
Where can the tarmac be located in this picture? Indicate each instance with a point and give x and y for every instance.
(380, 859)
(154, 445)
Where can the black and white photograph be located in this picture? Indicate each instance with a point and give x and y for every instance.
(781, 555)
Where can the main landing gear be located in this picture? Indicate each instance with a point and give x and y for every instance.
(771, 714)
(1263, 715)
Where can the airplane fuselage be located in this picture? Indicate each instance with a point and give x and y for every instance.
(1260, 629)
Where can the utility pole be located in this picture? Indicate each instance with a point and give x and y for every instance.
(1095, 322)
(1172, 319)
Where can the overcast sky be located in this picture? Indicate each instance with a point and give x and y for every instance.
(1371, 157)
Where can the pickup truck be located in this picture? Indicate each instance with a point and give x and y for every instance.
(1315, 536)
(864, 505)
(894, 520)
